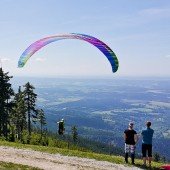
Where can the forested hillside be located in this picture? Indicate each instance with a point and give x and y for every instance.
(97, 115)
(22, 121)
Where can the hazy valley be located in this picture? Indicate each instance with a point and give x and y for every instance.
(102, 108)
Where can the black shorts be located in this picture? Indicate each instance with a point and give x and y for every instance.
(145, 148)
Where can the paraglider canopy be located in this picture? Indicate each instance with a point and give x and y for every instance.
(110, 55)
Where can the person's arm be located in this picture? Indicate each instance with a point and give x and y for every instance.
(136, 138)
(125, 137)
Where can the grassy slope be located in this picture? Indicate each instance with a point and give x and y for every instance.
(101, 157)
(12, 166)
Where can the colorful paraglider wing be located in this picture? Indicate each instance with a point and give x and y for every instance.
(92, 40)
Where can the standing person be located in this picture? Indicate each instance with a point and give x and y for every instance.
(147, 143)
(131, 138)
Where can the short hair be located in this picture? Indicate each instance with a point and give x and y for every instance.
(148, 123)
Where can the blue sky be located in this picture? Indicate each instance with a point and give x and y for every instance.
(138, 31)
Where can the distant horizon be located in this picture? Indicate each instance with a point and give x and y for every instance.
(91, 77)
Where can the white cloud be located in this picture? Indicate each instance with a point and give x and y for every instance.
(4, 60)
(40, 59)
(167, 56)
(156, 12)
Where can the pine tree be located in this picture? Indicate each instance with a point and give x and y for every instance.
(40, 117)
(18, 116)
(6, 92)
(156, 157)
(74, 134)
(163, 159)
(30, 98)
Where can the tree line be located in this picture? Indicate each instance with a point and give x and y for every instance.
(19, 117)
(18, 110)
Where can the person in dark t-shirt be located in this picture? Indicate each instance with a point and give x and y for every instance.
(131, 138)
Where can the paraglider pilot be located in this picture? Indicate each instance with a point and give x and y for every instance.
(61, 127)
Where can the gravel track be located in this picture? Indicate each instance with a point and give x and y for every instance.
(48, 161)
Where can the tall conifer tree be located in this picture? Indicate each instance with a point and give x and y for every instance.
(18, 116)
(6, 92)
(30, 99)
(40, 117)
(74, 134)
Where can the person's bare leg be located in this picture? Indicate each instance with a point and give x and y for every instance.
(144, 162)
(150, 160)
(126, 157)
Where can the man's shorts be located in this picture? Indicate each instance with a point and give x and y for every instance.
(129, 148)
(145, 148)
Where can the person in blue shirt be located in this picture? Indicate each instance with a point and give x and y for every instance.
(147, 143)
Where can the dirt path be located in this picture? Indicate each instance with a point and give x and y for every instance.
(55, 161)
